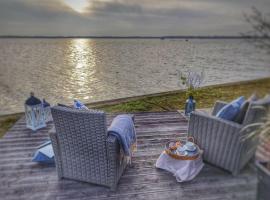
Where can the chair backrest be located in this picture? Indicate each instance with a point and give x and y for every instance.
(257, 111)
(81, 138)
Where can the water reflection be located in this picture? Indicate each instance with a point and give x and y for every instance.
(82, 58)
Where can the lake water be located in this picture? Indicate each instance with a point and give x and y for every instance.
(61, 70)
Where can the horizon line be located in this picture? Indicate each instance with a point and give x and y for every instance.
(138, 37)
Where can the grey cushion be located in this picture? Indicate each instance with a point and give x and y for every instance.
(239, 118)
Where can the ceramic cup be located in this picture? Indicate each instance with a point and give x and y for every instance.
(190, 146)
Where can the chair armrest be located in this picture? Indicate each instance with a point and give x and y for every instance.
(116, 161)
(218, 105)
(255, 114)
(113, 147)
(56, 150)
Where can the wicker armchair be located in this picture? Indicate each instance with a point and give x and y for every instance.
(83, 150)
(224, 141)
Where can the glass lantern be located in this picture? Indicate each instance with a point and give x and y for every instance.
(34, 113)
(47, 111)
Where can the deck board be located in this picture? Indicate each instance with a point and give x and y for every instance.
(23, 179)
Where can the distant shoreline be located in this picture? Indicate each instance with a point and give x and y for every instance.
(134, 37)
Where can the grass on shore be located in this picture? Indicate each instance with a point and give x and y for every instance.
(205, 98)
(6, 122)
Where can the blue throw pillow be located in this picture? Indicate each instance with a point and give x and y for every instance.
(229, 111)
(79, 105)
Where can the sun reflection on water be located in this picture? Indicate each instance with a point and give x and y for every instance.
(83, 60)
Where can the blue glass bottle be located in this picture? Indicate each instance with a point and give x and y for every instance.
(190, 105)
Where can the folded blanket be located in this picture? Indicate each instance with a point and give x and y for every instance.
(122, 127)
(44, 153)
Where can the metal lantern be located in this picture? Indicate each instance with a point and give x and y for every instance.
(47, 111)
(34, 113)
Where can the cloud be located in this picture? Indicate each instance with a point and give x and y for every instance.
(127, 17)
(109, 7)
(32, 10)
(148, 8)
(50, 17)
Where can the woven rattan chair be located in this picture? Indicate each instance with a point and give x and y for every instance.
(224, 142)
(83, 150)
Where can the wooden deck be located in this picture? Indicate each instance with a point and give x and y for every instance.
(22, 179)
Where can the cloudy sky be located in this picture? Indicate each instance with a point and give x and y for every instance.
(126, 17)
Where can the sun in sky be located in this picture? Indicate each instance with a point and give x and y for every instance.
(77, 5)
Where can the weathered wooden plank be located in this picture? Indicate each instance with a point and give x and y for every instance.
(225, 189)
(135, 169)
(137, 176)
(142, 182)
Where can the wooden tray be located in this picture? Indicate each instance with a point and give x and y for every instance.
(169, 150)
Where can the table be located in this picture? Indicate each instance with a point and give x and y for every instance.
(183, 170)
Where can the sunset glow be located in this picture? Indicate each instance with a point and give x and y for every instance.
(77, 5)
